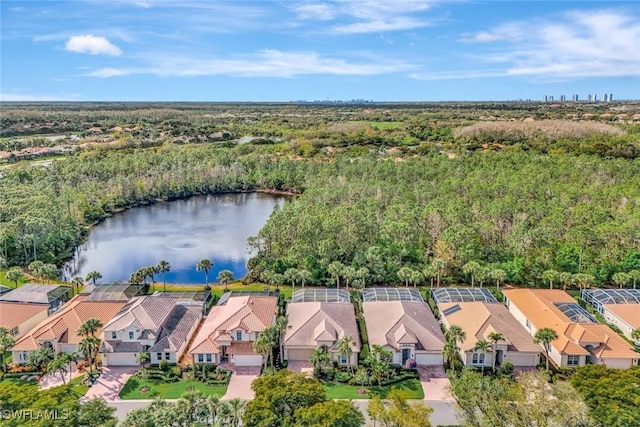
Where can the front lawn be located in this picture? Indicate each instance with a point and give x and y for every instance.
(410, 387)
(167, 390)
(76, 385)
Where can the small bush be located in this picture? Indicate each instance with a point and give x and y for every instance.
(342, 377)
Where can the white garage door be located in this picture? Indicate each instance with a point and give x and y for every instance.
(247, 360)
(428, 359)
(119, 359)
(522, 359)
(299, 354)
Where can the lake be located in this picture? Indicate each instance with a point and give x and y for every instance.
(181, 232)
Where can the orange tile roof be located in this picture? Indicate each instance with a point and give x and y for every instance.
(13, 314)
(629, 313)
(64, 323)
(538, 306)
(478, 319)
(250, 313)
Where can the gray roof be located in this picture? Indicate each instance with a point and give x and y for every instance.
(35, 293)
(110, 346)
(175, 331)
(4, 289)
(143, 313)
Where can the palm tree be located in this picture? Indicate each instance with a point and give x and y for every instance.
(267, 277)
(450, 353)
(281, 327)
(58, 364)
(455, 334)
(349, 273)
(550, 276)
(416, 278)
(93, 276)
(430, 272)
(232, 412)
(70, 358)
(404, 274)
(544, 337)
(76, 282)
(498, 275)
(36, 268)
(439, 265)
(583, 279)
(164, 267)
(361, 276)
(143, 358)
(319, 357)
(566, 278)
(14, 274)
(304, 276)
(494, 337)
(635, 277)
(291, 275)
(89, 327)
(7, 341)
(471, 269)
(89, 347)
(635, 335)
(225, 276)
(344, 348)
(621, 279)
(483, 346)
(40, 358)
(205, 265)
(335, 270)
(265, 342)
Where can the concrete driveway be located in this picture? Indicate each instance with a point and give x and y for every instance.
(110, 382)
(240, 383)
(435, 384)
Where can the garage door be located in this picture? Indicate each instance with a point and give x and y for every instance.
(428, 359)
(299, 354)
(247, 360)
(119, 359)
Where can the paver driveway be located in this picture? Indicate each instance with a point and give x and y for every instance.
(110, 382)
(435, 384)
(240, 383)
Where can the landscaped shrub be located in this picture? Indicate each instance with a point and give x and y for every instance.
(21, 374)
(342, 377)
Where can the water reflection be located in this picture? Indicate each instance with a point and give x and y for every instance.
(181, 232)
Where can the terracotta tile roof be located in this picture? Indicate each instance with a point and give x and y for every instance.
(250, 313)
(479, 319)
(12, 314)
(538, 305)
(309, 322)
(392, 323)
(629, 313)
(64, 323)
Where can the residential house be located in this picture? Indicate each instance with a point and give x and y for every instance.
(159, 325)
(20, 317)
(59, 330)
(478, 320)
(580, 337)
(319, 321)
(228, 332)
(620, 307)
(399, 320)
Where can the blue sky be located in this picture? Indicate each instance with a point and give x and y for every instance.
(384, 50)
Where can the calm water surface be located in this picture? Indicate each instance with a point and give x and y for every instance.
(182, 232)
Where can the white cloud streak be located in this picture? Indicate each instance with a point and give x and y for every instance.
(266, 63)
(94, 45)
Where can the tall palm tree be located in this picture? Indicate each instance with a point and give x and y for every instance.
(232, 412)
(344, 348)
(36, 268)
(205, 265)
(267, 277)
(76, 282)
(89, 347)
(225, 276)
(335, 270)
(164, 267)
(281, 327)
(416, 278)
(566, 278)
(89, 327)
(349, 273)
(635, 277)
(93, 276)
(440, 266)
(430, 272)
(291, 275)
(303, 276)
(143, 358)
(544, 337)
(471, 269)
(550, 276)
(498, 275)
(264, 344)
(70, 358)
(483, 346)
(450, 353)
(404, 274)
(58, 364)
(455, 334)
(494, 338)
(621, 279)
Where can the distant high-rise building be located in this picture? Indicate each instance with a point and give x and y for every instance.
(551, 98)
(563, 98)
(589, 97)
(544, 98)
(605, 97)
(595, 98)
(574, 98)
(610, 97)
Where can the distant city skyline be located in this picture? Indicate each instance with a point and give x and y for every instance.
(272, 51)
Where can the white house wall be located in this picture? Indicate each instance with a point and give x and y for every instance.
(30, 323)
(621, 324)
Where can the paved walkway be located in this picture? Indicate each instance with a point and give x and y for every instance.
(110, 382)
(435, 384)
(53, 380)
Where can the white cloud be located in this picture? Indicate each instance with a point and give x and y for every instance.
(380, 25)
(572, 45)
(94, 45)
(322, 12)
(266, 63)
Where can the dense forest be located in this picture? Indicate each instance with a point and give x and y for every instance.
(525, 189)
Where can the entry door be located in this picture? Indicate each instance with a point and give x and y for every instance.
(406, 354)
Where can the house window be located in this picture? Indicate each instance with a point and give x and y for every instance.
(238, 335)
(343, 359)
(573, 360)
(477, 359)
(167, 356)
(14, 331)
(209, 360)
(130, 335)
(201, 358)
(114, 335)
(159, 356)
(528, 324)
